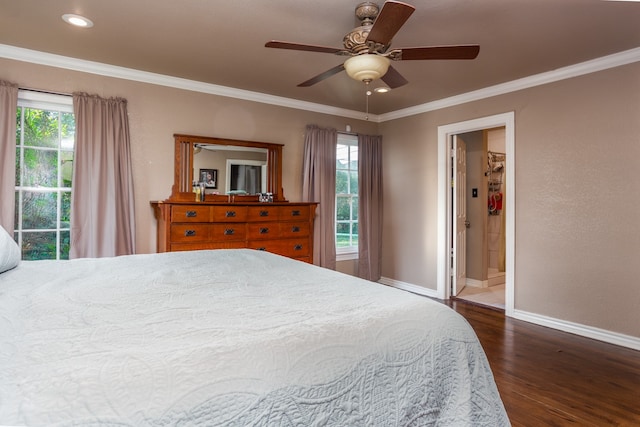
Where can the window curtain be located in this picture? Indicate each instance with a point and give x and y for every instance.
(102, 203)
(319, 185)
(369, 207)
(8, 107)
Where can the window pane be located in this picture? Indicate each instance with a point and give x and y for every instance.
(354, 157)
(65, 210)
(354, 182)
(39, 210)
(18, 166)
(16, 213)
(66, 165)
(41, 128)
(40, 168)
(343, 211)
(342, 156)
(354, 208)
(65, 243)
(67, 131)
(39, 245)
(342, 182)
(18, 125)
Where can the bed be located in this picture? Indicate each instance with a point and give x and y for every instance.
(231, 338)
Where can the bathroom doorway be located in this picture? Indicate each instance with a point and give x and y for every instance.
(485, 200)
(447, 255)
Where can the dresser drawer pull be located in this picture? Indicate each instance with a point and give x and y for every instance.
(261, 248)
(229, 231)
(264, 230)
(295, 213)
(297, 248)
(191, 214)
(264, 213)
(190, 233)
(230, 214)
(295, 229)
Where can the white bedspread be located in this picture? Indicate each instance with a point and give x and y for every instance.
(231, 337)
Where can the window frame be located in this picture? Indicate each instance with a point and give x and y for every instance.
(50, 102)
(349, 252)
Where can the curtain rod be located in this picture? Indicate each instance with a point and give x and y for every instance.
(48, 92)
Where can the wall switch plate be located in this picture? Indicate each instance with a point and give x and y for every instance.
(474, 192)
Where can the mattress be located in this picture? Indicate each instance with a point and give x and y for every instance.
(231, 338)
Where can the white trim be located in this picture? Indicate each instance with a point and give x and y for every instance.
(580, 329)
(45, 101)
(592, 66)
(443, 269)
(81, 65)
(610, 61)
(408, 287)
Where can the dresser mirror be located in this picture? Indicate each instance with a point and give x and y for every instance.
(230, 167)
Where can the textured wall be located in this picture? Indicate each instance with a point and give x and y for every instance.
(577, 168)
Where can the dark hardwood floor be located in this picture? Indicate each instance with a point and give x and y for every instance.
(552, 378)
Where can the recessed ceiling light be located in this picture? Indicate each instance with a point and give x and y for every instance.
(381, 89)
(77, 20)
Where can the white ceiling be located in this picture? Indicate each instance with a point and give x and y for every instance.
(222, 42)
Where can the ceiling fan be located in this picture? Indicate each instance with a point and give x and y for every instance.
(368, 46)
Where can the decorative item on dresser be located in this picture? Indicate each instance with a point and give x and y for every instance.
(236, 219)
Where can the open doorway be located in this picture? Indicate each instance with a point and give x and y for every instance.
(484, 216)
(449, 248)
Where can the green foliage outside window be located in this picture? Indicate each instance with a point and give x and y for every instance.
(44, 168)
(347, 195)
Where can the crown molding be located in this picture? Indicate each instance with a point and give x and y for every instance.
(587, 67)
(81, 65)
(59, 61)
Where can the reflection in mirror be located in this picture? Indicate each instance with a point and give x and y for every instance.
(220, 157)
(246, 176)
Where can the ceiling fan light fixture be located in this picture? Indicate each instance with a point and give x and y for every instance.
(366, 67)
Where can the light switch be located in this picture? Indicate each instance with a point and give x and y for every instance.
(474, 192)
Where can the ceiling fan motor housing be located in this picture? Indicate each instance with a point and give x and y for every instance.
(356, 40)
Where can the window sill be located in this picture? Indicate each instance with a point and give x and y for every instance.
(346, 256)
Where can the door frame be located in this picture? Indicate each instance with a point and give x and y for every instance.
(445, 227)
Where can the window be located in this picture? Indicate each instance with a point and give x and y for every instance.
(347, 196)
(45, 131)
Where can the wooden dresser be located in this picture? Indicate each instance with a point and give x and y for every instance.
(281, 227)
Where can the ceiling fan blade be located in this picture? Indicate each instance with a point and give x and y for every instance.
(320, 77)
(393, 78)
(440, 52)
(392, 16)
(304, 47)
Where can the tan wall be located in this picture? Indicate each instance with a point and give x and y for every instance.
(157, 112)
(577, 151)
(577, 164)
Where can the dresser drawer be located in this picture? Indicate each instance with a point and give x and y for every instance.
(228, 213)
(189, 213)
(291, 248)
(263, 212)
(189, 233)
(294, 229)
(263, 230)
(227, 232)
(209, 245)
(294, 213)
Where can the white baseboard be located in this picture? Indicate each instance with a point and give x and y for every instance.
(432, 293)
(579, 329)
(477, 283)
(610, 337)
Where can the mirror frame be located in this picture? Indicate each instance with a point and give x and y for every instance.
(183, 167)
